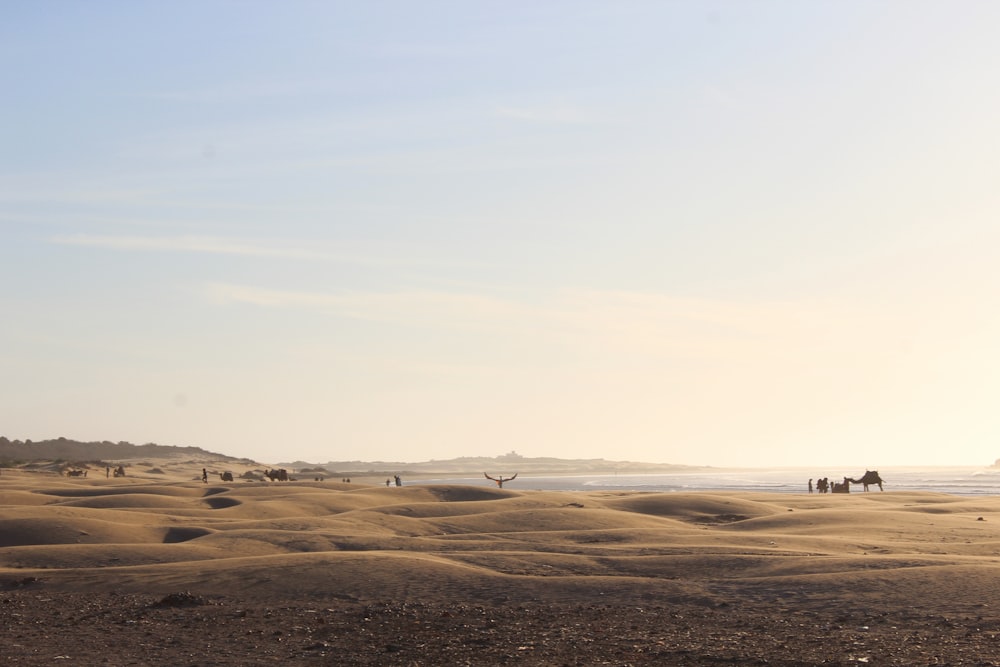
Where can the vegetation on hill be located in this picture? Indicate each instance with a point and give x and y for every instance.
(73, 450)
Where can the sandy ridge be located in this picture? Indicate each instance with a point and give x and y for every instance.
(362, 544)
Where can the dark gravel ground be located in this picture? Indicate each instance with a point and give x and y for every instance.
(44, 628)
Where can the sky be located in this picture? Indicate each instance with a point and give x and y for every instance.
(747, 233)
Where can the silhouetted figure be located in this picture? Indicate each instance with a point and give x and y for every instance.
(204, 475)
(500, 480)
(810, 485)
(399, 482)
(387, 482)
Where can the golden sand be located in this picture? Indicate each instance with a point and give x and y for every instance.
(160, 530)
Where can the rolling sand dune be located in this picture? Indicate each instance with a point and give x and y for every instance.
(894, 564)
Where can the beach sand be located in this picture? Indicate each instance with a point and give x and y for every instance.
(159, 568)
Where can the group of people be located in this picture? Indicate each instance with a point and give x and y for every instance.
(399, 481)
(824, 485)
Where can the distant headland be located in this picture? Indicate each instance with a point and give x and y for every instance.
(510, 462)
(15, 452)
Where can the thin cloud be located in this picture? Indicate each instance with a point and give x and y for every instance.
(592, 324)
(190, 244)
(266, 249)
(238, 92)
(404, 307)
(28, 190)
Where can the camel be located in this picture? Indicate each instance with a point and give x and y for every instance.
(119, 471)
(226, 476)
(841, 487)
(500, 480)
(870, 477)
(277, 475)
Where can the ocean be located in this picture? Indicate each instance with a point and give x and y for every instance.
(958, 480)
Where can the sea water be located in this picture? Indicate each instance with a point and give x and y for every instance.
(965, 481)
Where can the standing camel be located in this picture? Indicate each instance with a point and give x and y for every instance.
(870, 477)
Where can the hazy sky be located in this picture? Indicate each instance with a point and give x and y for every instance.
(723, 233)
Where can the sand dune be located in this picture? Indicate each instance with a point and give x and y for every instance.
(896, 558)
(165, 531)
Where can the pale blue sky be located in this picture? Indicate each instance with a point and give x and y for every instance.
(723, 233)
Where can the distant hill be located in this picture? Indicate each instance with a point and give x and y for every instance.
(13, 452)
(72, 450)
(505, 464)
